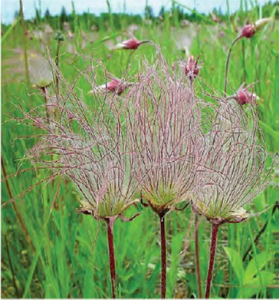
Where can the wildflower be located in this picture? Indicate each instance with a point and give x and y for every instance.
(163, 127)
(116, 86)
(232, 167)
(231, 172)
(250, 29)
(191, 67)
(131, 44)
(93, 154)
(243, 96)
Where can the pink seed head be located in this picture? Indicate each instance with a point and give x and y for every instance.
(248, 31)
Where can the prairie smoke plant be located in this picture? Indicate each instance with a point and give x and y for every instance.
(163, 126)
(91, 149)
(231, 171)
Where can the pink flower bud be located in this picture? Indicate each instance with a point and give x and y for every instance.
(248, 31)
(191, 67)
(242, 96)
(116, 86)
(131, 44)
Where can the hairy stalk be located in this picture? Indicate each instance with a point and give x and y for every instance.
(21, 221)
(227, 63)
(163, 256)
(110, 224)
(214, 234)
(197, 254)
(24, 42)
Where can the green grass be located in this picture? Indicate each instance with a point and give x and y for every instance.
(69, 259)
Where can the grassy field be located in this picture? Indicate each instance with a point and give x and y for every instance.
(48, 250)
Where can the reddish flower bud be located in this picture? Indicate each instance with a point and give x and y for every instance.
(242, 96)
(191, 67)
(248, 31)
(131, 44)
(114, 86)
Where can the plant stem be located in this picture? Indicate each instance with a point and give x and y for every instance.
(163, 257)
(45, 93)
(214, 234)
(110, 223)
(227, 63)
(57, 65)
(197, 254)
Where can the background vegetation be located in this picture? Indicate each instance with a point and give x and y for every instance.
(47, 249)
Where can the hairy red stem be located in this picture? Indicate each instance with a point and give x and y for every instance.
(163, 257)
(197, 254)
(110, 223)
(214, 234)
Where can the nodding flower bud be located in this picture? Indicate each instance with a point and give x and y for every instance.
(242, 95)
(131, 44)
(191, 67)
(116, 86)
(248, 31)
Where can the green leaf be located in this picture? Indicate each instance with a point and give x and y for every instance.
(257, 284)
(236, 262)
(255, 265)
